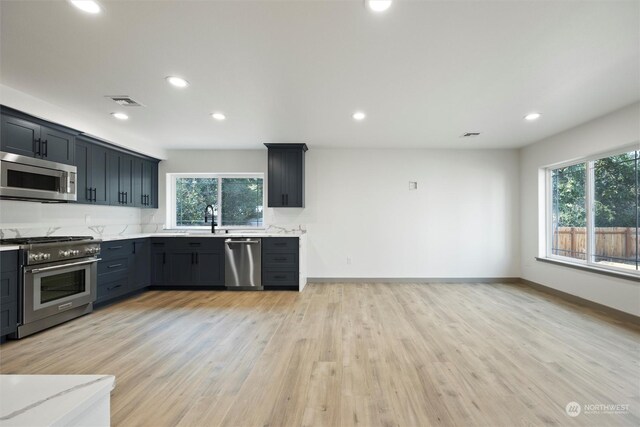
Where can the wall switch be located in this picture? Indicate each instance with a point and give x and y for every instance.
(348, 260)
(413, 185)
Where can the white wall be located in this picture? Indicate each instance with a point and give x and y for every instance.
(463, 220)
(615, 130)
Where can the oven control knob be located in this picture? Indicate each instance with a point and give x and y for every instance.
(64, 253)
(46, 256)
(75, 252)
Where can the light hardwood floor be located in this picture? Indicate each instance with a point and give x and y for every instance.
(347, 355)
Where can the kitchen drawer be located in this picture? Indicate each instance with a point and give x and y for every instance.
(112, 266)
(117, 249)
(280, 244)
(8, 318)
(9, 261)
(210, 244)
(112, 289)
(8, 286)
(279, 278)
(278, 259)
(159, 244)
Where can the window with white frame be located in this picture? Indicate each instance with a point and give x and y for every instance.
(238, 200)
(593, 211)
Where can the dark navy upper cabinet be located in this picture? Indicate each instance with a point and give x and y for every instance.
(107, 174)
(92, 180)
(120, 179)
(83, 177)
(145, 176)
(31, 138)
(19, 136)
(285, 174)
(57, 146)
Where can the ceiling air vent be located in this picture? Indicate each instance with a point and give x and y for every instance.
(125, 101)
(470, 134)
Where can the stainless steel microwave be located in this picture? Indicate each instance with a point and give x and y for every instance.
(28, 178)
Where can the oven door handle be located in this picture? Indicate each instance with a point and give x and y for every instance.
(56, 267)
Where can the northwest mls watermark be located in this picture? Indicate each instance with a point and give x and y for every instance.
(573, 409)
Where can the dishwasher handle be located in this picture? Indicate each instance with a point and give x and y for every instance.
(243, 242)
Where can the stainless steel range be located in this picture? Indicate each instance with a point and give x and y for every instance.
(58, 280)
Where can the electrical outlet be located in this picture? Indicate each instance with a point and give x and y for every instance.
(348, 260)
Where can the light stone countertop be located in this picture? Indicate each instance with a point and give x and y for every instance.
(50, 400)
(9, 248)
(108, 238)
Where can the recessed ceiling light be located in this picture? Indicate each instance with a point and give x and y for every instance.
(177, 81)
(379, 5)
(88, 6)
(120, 116)
(359, 115)
(532, 116)
(218, 116)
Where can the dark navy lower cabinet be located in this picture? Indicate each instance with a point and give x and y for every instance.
(125, 268)
(141, 262)
(280, 263)
(187, 262)
(8, 293)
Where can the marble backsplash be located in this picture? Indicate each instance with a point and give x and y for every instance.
(28, 219)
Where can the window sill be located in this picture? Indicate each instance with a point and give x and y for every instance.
(592, 269)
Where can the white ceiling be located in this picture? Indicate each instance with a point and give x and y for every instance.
(424, 72)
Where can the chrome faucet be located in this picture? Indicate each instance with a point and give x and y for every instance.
(207, 209)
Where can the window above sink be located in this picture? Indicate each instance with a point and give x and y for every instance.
(238, 200)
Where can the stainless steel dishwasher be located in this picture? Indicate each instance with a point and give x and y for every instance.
(243, 263)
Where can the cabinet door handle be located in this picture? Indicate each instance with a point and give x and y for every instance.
(282, 199)
(286, 199)
(126, 198)
(114, 265)
(280, 277)
(134, 248)
(193, 258)
(95, 194)
(114, 287)
(88, 195)
(119, 197)
(197, 258)
(281, 258)
(114, 247)
(36, 143)
(45, 146)
(280, 244)
(164, 257)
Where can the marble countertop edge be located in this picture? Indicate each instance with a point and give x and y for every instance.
(49, 399)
